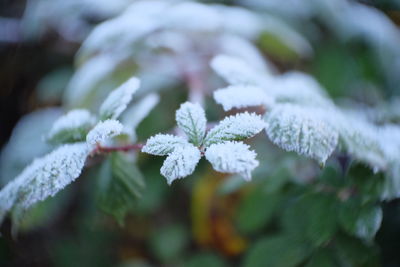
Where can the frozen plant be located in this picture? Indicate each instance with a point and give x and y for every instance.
(80, 135)
(300, 117)
(221, 145)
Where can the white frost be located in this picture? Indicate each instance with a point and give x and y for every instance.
(117, 101)
(232, 157)
(103, 131)
(180, 163)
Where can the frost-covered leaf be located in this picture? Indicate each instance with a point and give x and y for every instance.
(71, 127)
(163, 144)
(232, 157)
(191, 118)
(118, 100)
(137, 112)
(391, 185)
(27, 142)
(301, 130)
(44, 177)
(242, 96)
(180, 163)
(103, 131)
(362, 140)
(89, 76)
(181, 16)
(120, 184)
(238, 127)
(299, 88)
(236, 71)
(239, 47)
(124, 30)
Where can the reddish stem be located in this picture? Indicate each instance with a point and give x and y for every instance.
(125, 148)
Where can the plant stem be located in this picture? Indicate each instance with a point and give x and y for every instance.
(125, 148)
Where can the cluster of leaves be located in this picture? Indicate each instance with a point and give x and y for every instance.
(79, 134)
(301, 118)
(218, 144)
(327, 218)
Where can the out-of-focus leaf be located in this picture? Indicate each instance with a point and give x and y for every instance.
(312, 217)
(353, 252)
(360, 221)
(71, 127)
(321, 258)
(167, 243)
(26, 142)
(41, 214)
(205, 259)
(303, 130)
(256, 209)
(276, 251)
(120, 184)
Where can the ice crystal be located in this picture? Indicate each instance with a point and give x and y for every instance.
(73, 126)
(180, 163)
(192, 120)
(232, 157)
(238, 127)
(118, 100)
(298, 129)
(44, 177)
(103, 131)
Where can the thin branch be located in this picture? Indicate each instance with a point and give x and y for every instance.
(126, 148)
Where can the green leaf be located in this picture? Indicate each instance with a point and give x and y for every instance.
(256, 209)
(312, 217)
(205, 259)
(360, 221)
(322, 258)
(353, 252)
(120, 184)
(168, 243)
(276, 251)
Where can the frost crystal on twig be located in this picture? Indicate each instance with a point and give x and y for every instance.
(103, 131)
(44, 177)
(118, 100)
(192, 120)
(73, 126)
(232, 157)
